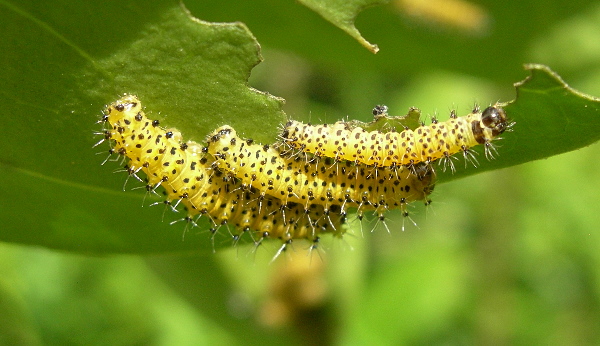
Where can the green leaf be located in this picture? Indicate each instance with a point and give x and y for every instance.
(342, 13)
(556, 118)
(550, 118)
(190, 74)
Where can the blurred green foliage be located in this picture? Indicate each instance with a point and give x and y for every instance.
(509, 256)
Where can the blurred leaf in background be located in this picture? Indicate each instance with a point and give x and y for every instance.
(506, 256)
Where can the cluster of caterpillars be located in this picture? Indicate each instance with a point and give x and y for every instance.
(301, 187)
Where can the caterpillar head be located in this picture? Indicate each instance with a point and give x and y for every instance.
(492, 124)
(495, 119)
(122, 108)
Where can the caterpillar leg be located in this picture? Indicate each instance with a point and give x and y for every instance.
(470, 157)
(490, 150)
(283, 248)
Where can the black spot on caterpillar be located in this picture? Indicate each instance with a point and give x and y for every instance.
(440, 140)
(322, 182)
(189, 178)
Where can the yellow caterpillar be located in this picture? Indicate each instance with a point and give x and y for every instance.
(188, 177)
(322, 182)
(440, 140)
